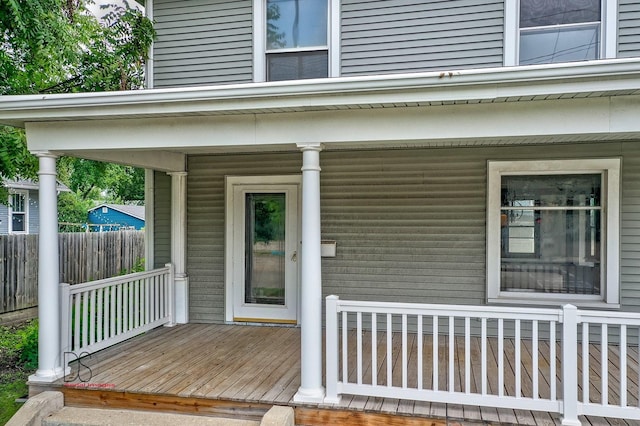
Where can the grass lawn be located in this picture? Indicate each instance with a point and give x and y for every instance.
(18, 359)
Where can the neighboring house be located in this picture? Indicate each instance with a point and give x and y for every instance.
(113, 217)
(19, 215)
(470, 152)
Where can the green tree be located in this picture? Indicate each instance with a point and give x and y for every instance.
(57, 46)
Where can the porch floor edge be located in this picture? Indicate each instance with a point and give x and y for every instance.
(308, 415)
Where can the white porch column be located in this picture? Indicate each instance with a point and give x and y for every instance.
(179, 245)
(311, 389)
(49, 353)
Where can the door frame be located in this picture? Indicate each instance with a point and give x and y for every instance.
(231, 184)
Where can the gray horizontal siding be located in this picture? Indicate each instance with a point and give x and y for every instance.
(162, 219)
(409, 224)
(628, 28)
(203, 42)
(390, 36)
(34, 212)
(205, 222)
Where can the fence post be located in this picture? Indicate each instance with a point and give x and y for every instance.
(331, 332)
(65, 325)
(570, 365)
(171, 295)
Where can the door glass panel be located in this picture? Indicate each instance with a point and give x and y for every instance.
(265, 248)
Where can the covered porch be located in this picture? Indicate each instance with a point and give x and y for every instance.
(240, 371)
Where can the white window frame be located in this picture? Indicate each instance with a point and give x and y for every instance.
(25, 194)
(608, 31)
(260, 42)
(610, 170)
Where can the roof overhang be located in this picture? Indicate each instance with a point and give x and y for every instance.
(578, 102)
(489, 85)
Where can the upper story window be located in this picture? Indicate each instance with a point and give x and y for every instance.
(18, 212)
(552, 229)
(554, 31)
(295, 39)
(297, 44)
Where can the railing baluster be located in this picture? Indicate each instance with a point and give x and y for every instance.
(76, 324)
(585, 363)
(125, 307)
(467, 355)
(389, 350)
(92, 317)
(345, 348)
(130, 303)
(434, 350)
(359, 347)
(500, 357)
(152, 299)
(535, 366)
(452, 344)
(107, 313)
(623, 365)
(552, 361)
(99, 319)
(419, 344)
(604, 364)
(518, 366)
(119, 308)
(404, 351)
(374, 349)
(136, 305)
(85, 319)
(483, 349)
(147, 302)
(112, 291)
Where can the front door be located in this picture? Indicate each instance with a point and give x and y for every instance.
(265, 251)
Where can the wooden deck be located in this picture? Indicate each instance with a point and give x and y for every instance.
(241, 371)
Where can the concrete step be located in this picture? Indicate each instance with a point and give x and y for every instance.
(72, 416)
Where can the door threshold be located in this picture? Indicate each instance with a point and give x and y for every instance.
(264, 321)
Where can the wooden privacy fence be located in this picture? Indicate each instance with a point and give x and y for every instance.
(83, 257)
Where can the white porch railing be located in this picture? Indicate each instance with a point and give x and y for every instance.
(99, 314)
(485, 356)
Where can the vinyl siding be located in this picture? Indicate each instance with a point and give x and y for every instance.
(391, 36)
(34, 213)
(203, 42)
(628, 28)
(4, 219)
(205, 222)
(162, 218)
(409, 224)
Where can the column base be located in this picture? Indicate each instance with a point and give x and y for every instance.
(181, 283)
(48, 376)
(309, 396)
(570, 422)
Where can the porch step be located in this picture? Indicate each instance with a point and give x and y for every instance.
(72, 416)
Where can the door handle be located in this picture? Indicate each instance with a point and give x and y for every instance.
(294, 256)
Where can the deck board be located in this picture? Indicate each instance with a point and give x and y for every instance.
(230, 367)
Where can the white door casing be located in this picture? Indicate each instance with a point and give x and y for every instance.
(237, 308)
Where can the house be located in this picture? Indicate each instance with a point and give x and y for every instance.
(112, 217)
(19, 215)
(478, 155)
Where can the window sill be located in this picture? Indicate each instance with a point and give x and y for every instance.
(555, 302)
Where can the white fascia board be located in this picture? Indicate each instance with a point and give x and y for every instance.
(477, 84)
